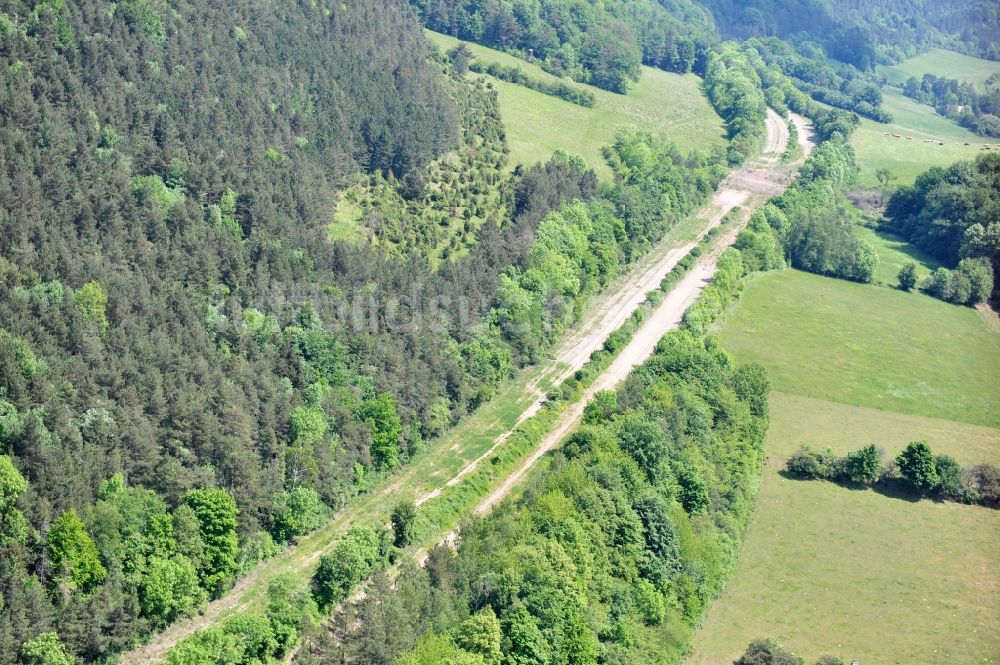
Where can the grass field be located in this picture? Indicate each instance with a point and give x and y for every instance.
(856, 573)
(539, 124)
(858, 344)
(942, 63)
(893, 252)
(864, 574)
(907, 158)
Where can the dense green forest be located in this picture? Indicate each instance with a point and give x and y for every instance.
(193, 373)
(952, 214)
(613, 553)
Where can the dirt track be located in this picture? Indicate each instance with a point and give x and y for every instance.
(762, 174)
(747, 187)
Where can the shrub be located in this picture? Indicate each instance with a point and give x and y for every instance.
(917, 467)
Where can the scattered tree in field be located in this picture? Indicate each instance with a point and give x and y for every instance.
(907, 276)
(917, 467)
(403, 516)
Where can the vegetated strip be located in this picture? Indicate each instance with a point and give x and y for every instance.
(570, 93)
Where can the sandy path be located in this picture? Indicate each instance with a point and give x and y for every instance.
(748, 186)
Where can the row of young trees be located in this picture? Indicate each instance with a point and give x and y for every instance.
(514, 74)
(916, 467)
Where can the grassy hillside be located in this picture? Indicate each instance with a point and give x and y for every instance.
(942, 63)
(907, 158)
(858, 574)
(893, 253)
(857, 344)
(538, 124)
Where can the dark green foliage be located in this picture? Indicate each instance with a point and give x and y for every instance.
(952, 214)
(917, 467)
(864, 466)
(599, 556)
(814, 464)
(859, 32)
(598, 44)
(824, 80)
(767, 652)
(570, 93)
(358, 554)
(402, 519)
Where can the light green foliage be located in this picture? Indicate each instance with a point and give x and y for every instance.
(152, 189)
(734, 87)
(308, 425)
(254, 634)
(45, 649)
(354, 558)
(386, 429)
(27, 362)
(92, 302)
(917, 467)
(216, 513)
(207, 647)
(13, 526)
(298, 512)
(907, 276)
(170, 589)
(289, 608)
(143, 17)
(480, 634)
(433, 649)
(73, 554)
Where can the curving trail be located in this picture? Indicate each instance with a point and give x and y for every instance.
(749, 186)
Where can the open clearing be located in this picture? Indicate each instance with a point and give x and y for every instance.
(893, 253)
(941, 62)
(862, 574)
(906, 158)
(859, 344)
(539, 124)
(855, 573)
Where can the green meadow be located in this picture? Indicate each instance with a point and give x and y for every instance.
(538, 124)
(941, 62)
(860, 573)
(859, 344)
(893, 254)
(878, 145)
(855, 573)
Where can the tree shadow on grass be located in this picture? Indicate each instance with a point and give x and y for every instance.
(892, 489)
